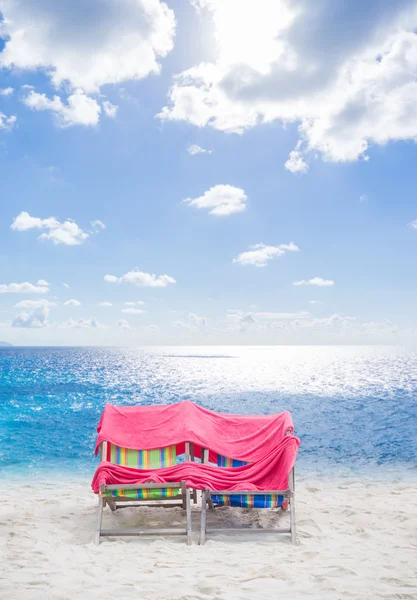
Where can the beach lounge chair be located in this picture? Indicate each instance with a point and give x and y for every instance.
(247, 499)
(122, 496)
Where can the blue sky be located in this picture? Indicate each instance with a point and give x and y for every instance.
(307, 115)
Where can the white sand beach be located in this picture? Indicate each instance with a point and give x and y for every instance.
(356, 539)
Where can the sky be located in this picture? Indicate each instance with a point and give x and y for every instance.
(208, 172)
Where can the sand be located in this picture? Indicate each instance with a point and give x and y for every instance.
(357, 539)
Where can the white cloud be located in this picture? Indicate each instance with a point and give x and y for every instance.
(246, 321)
(319, 281)
(111, 279)
(23, 288)
(221, 200)
(295, 163)
(139, 302)
(6, 122)
(68, 232)
(110, 110)
(123, 324)
(260, 254)
(6, 91)
(97, 225)
(34, 304)
(315, 302)
(413, 224)
(346, 85)
(196, 149)
(42, 282)
(106, 304)
(133, 311)
(86, 48)
(90, 323)
(141, 279)
(80, 110)
(192, 324)
(197, 321)
(35, 319)
(72, 302)
(66, 286)
(363, 198)
(269, 316)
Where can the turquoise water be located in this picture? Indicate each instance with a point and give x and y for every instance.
(353, 407)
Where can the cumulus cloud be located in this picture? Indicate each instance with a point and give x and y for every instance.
(270, 316)
(6, 91)
(67, 233)
(413, 224)
(80, 109)
(139, 302)
(35, 319)
(42, 282)
(133, 311)
(123, 324)
(221, 200)
(196, 149)
(110, 110)
(105, 304)
(192, 324)
(34, 304)
(72, 302)
(260, 254)
(197, 321)
(23, 288)
(111, 279)
(296, 163)
(6, 122)
(66, 286)
(141, 279)
(83, 48)
(90, 323)
(319, 281)
(97, 225)
(344, 73)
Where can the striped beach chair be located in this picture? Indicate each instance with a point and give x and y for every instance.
(122, 496)
(247, 499)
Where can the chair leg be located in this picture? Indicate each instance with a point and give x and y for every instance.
(292, 508)
(184, 495)
(203, 518)
(111, 503)
(99, 519)
(188, 518)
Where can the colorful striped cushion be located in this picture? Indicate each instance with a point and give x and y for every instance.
(244, 500)
(142, 459)
(224, 461)
(143, 494)
(248, 501)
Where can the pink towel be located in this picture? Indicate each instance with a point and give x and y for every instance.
(268, 473)
(247, 438)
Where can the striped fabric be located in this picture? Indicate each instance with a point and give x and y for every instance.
(244, 500)
(248, 500)
(142, 459)
(224, 461)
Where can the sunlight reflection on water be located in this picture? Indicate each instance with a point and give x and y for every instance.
(350, 405)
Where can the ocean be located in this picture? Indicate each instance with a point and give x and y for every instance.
(353, 407)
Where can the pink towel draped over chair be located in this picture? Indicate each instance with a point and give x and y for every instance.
(244, 437)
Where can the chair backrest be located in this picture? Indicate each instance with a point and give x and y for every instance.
(224, 461)
(140, 459)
